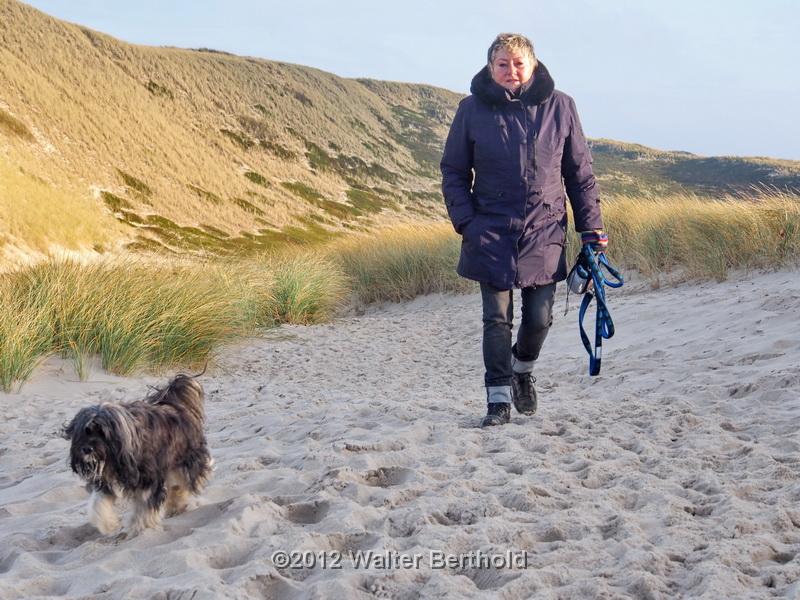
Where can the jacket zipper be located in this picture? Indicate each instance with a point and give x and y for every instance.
(525, 194)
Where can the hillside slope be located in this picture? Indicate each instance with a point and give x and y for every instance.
(632, 169)
(105, 143)
(166, 137)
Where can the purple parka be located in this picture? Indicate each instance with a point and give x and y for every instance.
(507, 163)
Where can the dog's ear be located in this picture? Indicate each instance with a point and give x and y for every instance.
(131, 470)
(102, 426)
(67, 429)
(127, 469)
(82, 420)
(118, 434)
(81, 424)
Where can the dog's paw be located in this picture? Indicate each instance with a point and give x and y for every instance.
(102, 514)
(121, 537)
(142, 519)
(174, 511)
(106, 526)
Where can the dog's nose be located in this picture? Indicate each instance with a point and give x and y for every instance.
(86, 450)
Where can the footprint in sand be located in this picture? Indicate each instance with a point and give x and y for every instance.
(387, 476)
(270, 585)
(699, 510)
(611, 528)
(405, 524)
(783, 558)
(358, 447)
(307, 513)
(229, 557)
(351, 542)
(489, 579)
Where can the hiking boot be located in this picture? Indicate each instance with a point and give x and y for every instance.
(523, 394)
(498, 413)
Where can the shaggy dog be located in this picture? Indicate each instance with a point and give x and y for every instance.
(151, 451)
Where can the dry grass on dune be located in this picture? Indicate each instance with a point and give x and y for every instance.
(401, 263)
(138, 315)
(210, 136)
(38, 215)
(704, 237)
(130, 315)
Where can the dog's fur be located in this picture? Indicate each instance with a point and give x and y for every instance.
(152, 451)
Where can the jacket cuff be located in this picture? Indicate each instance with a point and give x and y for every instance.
(597, 238)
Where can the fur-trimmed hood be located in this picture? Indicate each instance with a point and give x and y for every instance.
(485, 88)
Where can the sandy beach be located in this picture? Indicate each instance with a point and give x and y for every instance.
(354, 448)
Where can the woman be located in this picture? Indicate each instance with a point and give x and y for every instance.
(515, 146)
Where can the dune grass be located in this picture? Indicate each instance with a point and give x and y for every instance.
(158, 316)
(706, 238)
(28, 206)
(10, 124)
(129, 314)
(306, 289)
(24, 339)
(401, 263)
(185, 120)
(136, 316)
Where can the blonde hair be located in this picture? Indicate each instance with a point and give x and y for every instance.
(512, 42)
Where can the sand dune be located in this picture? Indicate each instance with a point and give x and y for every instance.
(676, 473)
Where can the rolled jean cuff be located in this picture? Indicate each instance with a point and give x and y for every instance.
(500, 394)
(522, 366)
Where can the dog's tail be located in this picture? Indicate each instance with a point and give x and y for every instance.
(182, 392)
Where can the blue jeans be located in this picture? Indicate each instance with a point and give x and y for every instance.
(498, 314)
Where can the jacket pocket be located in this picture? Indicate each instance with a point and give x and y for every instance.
(549, 151)
(488, 202)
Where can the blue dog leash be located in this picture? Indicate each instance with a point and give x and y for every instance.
(591, 267)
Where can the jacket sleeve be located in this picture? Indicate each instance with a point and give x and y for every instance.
(576, 168)
(457, 175)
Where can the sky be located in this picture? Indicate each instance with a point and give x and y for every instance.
(712, 77)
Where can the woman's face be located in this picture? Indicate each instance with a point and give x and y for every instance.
(511, 69)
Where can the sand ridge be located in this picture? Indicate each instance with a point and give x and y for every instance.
(673, 474)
